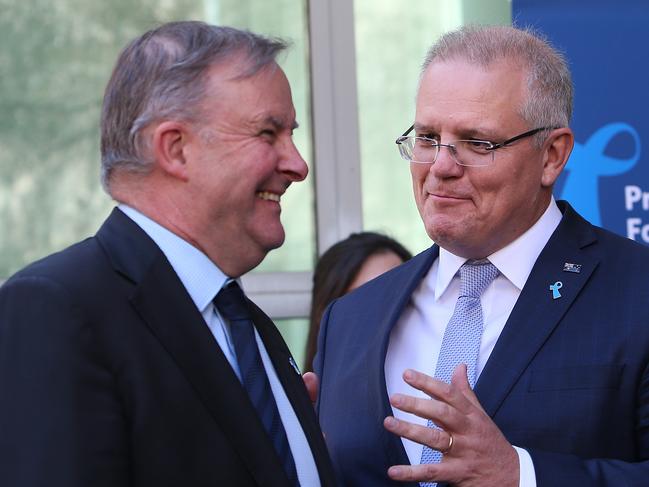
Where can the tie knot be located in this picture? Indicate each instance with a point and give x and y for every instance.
(475, 276)
(231, 302)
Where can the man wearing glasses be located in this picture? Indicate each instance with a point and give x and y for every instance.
(515, 351)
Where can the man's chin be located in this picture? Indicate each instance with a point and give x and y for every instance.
(273, 240)
(446, 234)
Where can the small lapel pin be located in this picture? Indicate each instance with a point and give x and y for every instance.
(568, 267)
(555, 289)
(294, 365)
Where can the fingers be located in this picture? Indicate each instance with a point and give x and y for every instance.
(459, 380)
(455, 394)
(433, 437)
(416, 473)
(441, 413)
(472, 444)
(312, 383)
(432, 387)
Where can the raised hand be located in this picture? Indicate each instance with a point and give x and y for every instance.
(475, 451)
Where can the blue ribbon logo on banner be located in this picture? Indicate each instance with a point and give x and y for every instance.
(606, 178)
(589, 161)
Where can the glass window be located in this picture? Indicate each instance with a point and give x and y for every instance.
(56, 59)
(294, 332)
(391, 42)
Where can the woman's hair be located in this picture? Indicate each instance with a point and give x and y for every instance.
(336, 270)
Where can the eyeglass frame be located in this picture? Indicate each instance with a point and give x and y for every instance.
(451, 145)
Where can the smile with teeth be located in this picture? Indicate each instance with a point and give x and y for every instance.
(267, 195)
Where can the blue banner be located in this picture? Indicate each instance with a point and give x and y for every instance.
(607, 176)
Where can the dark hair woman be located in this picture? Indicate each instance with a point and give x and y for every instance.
(345, 266)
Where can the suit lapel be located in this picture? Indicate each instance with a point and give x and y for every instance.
(165, 306)
(536, 313)
(291, 380)
(406, 279)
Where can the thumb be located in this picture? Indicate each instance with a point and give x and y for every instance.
(311, 383)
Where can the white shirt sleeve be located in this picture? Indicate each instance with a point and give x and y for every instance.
(527, 473)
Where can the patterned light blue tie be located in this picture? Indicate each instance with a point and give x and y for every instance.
(461, 342)
(231, 302)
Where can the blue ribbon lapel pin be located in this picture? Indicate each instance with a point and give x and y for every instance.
(555, 289)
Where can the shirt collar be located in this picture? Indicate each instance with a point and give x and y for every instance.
(199, 275)
(514, 261)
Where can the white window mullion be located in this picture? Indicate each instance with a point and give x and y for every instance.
(335, 120)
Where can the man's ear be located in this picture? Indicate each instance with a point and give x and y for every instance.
(558, 147)
(169, 142)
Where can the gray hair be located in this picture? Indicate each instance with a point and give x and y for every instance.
(162, 75)
(549, 84)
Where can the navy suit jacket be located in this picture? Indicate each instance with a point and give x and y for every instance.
(568, 379)
(109, 376)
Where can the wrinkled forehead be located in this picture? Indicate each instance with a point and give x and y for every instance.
(471, 94)
(474, 82)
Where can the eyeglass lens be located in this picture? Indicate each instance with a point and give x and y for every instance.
(465, 152)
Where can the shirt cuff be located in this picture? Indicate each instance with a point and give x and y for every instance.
(526, 467)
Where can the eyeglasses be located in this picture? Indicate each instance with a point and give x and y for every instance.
(471, 153)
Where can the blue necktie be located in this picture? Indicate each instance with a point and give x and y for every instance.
(231, 303)
(461, 342)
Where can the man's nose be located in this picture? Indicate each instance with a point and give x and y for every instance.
(446, 162)
(292, 163)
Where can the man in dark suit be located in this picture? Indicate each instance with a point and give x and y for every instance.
(515, 351)
(133, 358)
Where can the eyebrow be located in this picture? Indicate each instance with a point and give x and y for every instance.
(280, 124)
(418, 127)
(476, 133)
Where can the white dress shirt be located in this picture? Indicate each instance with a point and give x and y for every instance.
(203, 280)
(416, 339)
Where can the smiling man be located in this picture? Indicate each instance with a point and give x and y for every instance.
(515, 351)
(133, 358)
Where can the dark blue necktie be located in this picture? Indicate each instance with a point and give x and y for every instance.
(231, 303)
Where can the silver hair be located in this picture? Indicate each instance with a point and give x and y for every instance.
(162, 75)
(549, 85)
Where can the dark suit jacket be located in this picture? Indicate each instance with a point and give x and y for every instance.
(568, 378)
(109, 376)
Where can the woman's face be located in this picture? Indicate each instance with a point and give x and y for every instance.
(375, 265)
